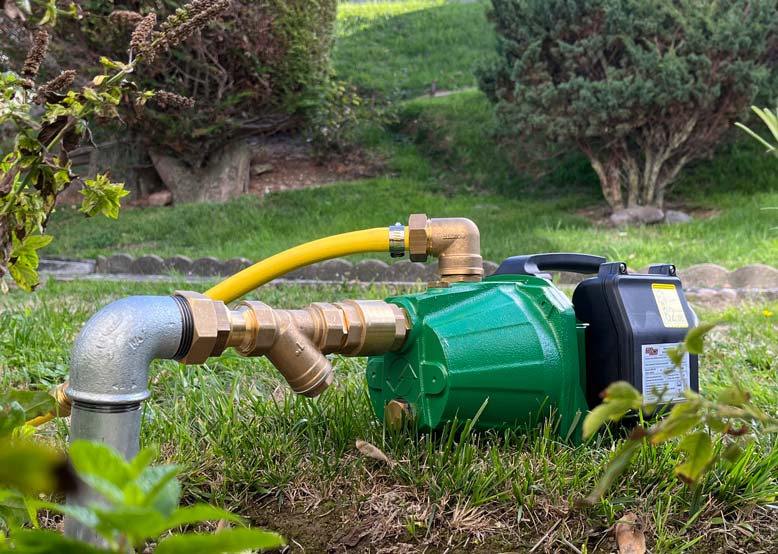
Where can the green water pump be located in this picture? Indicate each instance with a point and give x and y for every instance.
(515, 345)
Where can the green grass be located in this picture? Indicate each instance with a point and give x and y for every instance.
(442, 162)
(418, 43)
(289, 463)
(441, 158)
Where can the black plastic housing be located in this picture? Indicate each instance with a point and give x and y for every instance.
(632, 319)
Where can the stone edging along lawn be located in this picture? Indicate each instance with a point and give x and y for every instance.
(707, 285)
(700, 276)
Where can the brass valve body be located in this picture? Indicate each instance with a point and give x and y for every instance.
(295, 341)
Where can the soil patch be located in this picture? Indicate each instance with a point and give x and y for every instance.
(285, 163)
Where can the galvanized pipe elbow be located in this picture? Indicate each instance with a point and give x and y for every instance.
(109, 366)
(110, 358)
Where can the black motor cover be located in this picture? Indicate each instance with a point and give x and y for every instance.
(632, 320)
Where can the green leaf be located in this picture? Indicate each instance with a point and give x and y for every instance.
(616, 466)
(102, 196)
(11, 417)
(676, 355)
(24, 5)
(732, 453)
(160, 488)
(695, 337)
(34, 403)
(618, 399)
(699, 453)
(84, 515)
(29, 466)
(12, 509)
(100, 460)
(143, 460)
(192, 515)
(230, 540)
(682, 418)
(137, 523)
(49, 542)
(733, 396)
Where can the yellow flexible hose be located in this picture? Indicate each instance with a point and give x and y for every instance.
(40, 420)
(357, 242)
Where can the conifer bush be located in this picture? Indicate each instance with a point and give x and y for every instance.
(641, 87)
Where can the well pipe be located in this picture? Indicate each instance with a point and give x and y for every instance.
(109, 375)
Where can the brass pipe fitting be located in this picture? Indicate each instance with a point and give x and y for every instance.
(64, 405)
(295, 341)
(454, 241)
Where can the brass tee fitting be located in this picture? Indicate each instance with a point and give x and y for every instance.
(454, 241)
(295, 341)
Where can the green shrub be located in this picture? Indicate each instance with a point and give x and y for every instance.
(258, 70)
(640, 87)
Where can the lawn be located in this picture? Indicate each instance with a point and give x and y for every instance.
(441, 158)
(441, 162)
(289, 463)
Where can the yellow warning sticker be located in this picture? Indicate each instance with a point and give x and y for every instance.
(669, 303)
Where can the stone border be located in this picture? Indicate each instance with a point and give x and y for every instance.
(701, 276)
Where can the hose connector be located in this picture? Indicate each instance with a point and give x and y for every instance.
(454, 241)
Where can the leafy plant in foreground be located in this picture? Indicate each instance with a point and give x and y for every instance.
(141, 501)
(708, 430)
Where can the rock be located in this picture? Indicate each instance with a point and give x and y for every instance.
(234, 265)
(307, 273)
(161, 198)
(673, 217)
(570, 278)
(704, 275)
(756, 276)
(334, 270)
(712, 299)
(637, 215)
(101, 264)
(407, 272)
(490, 267)
(259, 169)
(226, 175)
(118, 263)
(368, 271)
(179, 264)
(431, 272)
(148, 265)
(207, 267)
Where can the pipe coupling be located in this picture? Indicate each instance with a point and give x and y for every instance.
(295, 341)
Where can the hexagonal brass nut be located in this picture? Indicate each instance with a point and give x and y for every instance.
(417, 237)
(211, 327)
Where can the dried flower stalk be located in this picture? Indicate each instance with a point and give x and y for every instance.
(40, 46)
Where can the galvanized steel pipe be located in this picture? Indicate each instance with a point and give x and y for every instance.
(109, 367)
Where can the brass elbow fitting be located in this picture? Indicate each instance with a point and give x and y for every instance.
(454, 241)
(295, 341)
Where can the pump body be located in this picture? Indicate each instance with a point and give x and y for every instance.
(515, 345)
(507, 343)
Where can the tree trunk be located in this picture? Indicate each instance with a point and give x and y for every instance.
(610, 181)
(226, 175)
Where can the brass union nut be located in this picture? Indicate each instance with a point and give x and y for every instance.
(417, 237)
(211, 327)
